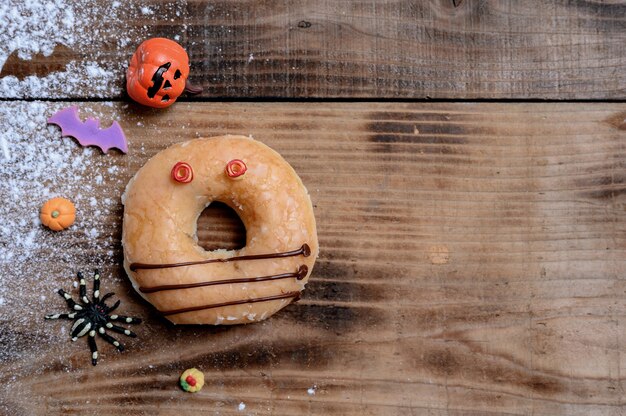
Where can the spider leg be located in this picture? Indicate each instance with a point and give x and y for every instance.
(96, 286)
(114, 307)
(70, 302)
(82, 294)
(108, 338)
(120, 330)
(81, 327)
(93, 347)
(105, 297)
(109, 308)
(126, 319)
(61, 315)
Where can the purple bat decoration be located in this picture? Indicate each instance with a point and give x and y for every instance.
(88, 133)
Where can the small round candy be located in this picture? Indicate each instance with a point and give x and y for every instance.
(236, 169)
(192, 380)
(182, 172)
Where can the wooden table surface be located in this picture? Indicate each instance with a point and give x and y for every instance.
(472, 239)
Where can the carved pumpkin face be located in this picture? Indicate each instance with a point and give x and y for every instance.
(157, 73)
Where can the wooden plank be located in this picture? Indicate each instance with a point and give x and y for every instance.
(472, 262)
(348, 49)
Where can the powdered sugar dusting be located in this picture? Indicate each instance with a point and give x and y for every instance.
(36, 163)
(87, 27)
(95, 79)
(32, 27)
(34, 261)
(41, 165)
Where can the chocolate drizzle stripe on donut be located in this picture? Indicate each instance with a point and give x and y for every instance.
(300, 274)
(305, 250)
(287, 295)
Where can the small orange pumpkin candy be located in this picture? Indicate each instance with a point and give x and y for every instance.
(58, 214)
(157, 73)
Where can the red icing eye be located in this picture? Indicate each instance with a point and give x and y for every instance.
(182, 172)
(191, 381)
(236, 168)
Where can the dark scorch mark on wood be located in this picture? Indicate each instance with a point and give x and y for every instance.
(256, 355)
(334, 318)
(15, 344)
(604, 187)
(445, 362)
(343, 291)
(618, 121)
(603, 10)
(427, 133)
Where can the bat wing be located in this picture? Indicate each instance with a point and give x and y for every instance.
(67, 119)
(112, 137)
(88, 133)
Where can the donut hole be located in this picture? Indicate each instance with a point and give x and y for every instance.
(219, 227)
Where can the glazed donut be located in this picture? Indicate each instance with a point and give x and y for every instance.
(190, 285)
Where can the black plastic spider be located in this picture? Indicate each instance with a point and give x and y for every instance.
(93, 317)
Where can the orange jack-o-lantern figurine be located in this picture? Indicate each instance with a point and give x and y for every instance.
(158, 73)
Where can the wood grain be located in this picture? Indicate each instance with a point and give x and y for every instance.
(472, 263)
(374, 49)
